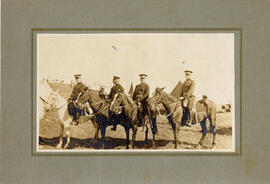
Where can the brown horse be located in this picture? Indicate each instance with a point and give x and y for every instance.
(100, 108)
(129, 109)
(122, 104)
(173, 109)
(102, 116)
(206, 109)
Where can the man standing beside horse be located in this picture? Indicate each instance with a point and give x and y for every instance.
(72, 106)
(187, 96)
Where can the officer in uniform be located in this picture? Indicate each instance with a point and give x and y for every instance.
(141, 95)
(102, 93)
(117, 87)
(187, 96)
(77, 89)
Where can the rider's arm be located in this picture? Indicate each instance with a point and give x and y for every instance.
(146, 92)
(191, 90)
(111, 93)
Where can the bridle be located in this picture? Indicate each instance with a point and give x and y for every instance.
(163, 101)
(117, 105)
(103, 107)
(52, 105)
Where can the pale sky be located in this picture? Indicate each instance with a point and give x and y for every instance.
(160, 55)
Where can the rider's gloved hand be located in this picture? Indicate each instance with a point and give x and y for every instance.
(181, 98)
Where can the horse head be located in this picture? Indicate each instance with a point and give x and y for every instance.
(50, 102)
(158, 96)
(116, 102)
(82, 98)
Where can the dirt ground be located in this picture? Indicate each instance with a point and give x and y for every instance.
(83, 134)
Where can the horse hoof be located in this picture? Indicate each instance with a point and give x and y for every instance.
(213, 146)
(59, 146)
(199, 146)
(66, 146)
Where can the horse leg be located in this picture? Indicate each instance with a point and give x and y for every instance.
(96, 133)
(66, 126)
(176, 133)
(154, 131)
(134, 131)
(102, 130)
(175, 128)
(212, 120)
(68, 139)
(127, 137)
(146, 136)
(59, 145)
(204, 131)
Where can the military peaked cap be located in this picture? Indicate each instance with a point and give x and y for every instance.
(188, 71)
(143, 75)
(116, 77)
(77, 76)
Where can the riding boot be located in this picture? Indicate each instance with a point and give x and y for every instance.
(74, 114)
(189, 119)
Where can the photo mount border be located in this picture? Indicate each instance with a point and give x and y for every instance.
(237, 57)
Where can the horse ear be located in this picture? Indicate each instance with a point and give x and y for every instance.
(162, 88)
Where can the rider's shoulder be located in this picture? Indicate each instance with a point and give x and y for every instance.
(189, 81)
(119, 85)
(145, 84)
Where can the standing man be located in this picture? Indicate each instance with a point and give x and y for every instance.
(187, 96)
(117, 87)
(141, 95)
(77, 89)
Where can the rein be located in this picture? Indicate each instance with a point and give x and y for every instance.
(99, 111)
(172, 112)
(53, 110)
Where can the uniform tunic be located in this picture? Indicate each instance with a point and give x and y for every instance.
(77, 89)
(115, 89)
(188, 88)
(141, 92)
(187, 92)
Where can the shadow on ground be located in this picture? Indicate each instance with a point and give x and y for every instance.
(224, 131)
(111, 143)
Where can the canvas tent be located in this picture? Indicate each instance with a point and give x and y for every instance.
(177, 90)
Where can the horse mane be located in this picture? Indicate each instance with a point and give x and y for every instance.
(59, 99)
(169, 96)
(94, 94)
(129, 100)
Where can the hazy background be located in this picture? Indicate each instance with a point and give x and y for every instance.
(163, 56)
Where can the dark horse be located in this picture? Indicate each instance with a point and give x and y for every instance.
(173, 109)
(101, 117)
(100, 108)
(129, 110)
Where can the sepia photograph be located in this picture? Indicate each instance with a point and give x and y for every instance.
(135, 92)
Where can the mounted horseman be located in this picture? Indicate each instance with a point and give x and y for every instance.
(73, 108)
(140, 96)
(188, 97)
(117, 87)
